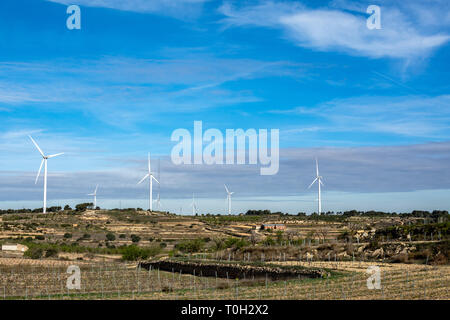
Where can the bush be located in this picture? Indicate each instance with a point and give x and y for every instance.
(110, 237)
(133, 252)
(235, 243)
(162, 245)
(34, 253)
(39, 237)
(190, 245)
(135, 238)
(67, 235)
(52, 252)
(122, 236)
(67, 208)
(269, 241)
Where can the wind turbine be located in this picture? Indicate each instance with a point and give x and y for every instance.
(319, 182)
(150, 177)
(95, 197)
(43, 162)
(229, 199)
(194, 207)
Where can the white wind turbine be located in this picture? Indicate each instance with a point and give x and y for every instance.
(150, 177)
(229, 199)
(95, 197)
(194, 206)
(43, 162)
(319, 183)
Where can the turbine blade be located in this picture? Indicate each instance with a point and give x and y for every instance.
(226, 188)
(95, 192)
(312, 183)
(39, 172)
(36, 145)
(321, 182)
(55, 155)
(149, 168)
(154, 178)
(145, 177)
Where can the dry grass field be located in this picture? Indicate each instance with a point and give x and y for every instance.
(125, 281)
(100, 243)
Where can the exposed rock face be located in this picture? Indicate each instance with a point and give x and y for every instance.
(377, 253)
(232, 271)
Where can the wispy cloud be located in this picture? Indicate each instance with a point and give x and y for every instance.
(413, 116)
(326, 29)
(125, 90)
(176, 8)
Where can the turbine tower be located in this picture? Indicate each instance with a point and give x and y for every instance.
(43, 162)
(319, 183)
(95, 197)
(150, 177)
(229, 199)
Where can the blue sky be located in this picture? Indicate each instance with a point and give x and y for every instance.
(373, 105)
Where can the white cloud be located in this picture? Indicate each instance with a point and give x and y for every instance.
(122, 91)
(338, 30)
(175, 8)
(410, 116)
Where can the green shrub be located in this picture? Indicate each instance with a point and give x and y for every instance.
(39, 237)
(135, 238)
(52, 252)
(235, 243)
(110, 237)
(67, 235)
(122, 236)
(190, 245)
(34, 253)
(268, 241)
(133, 252)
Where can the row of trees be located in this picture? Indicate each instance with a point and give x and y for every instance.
(79, 207)
(354, 213)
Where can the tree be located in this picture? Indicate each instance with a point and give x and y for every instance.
(84, 206)
(135, 238)
(67, 208)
